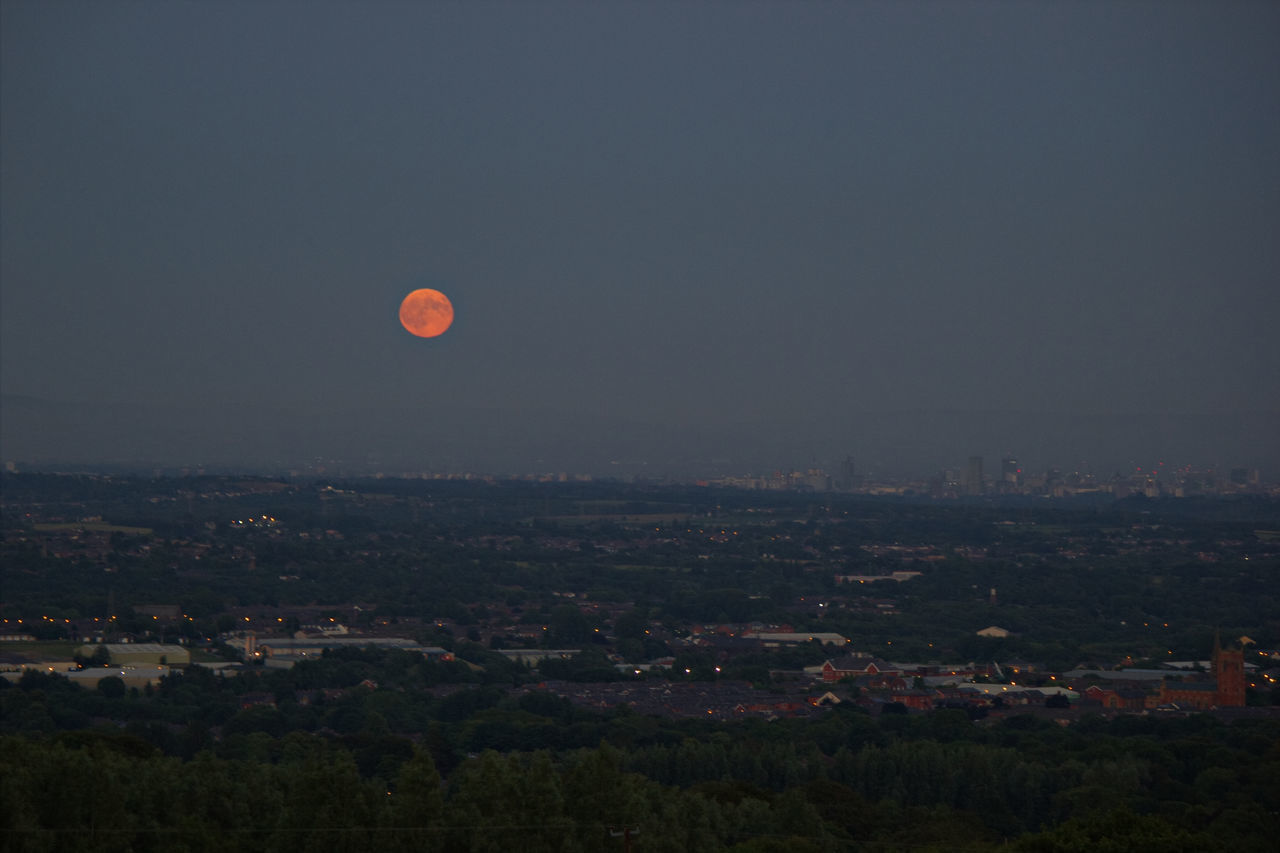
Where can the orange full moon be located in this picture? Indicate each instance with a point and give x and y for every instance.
(426, 313)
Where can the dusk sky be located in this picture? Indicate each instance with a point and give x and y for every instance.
(749, 235)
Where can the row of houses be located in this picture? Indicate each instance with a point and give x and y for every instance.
(1139, 690)
(863, 666)
(717, 700)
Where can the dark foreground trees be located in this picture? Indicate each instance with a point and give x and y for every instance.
(914, 783)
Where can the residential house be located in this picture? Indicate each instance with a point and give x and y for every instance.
(857, 666)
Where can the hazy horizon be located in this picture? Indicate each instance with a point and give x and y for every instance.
(892, 444)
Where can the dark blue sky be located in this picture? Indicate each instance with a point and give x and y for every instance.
(768, 234)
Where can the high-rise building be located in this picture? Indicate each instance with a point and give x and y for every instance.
(973, 482)
(847, 481)
(1244, 477)
(1010, 471)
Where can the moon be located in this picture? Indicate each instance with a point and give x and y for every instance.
(426, 313)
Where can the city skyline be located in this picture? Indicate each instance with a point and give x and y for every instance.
(964, 479)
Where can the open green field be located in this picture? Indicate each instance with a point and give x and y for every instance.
(92, 527)
(43, 650)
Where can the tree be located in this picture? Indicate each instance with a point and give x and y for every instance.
(112, 686)
(417, 806)
(484, 792)
(568, 626)
(632, 625)
(598, 794)
(1119, 831)
(324, 795)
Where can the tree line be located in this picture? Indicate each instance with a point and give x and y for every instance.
(189, 767)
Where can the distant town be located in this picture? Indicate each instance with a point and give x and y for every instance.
(828, 597)
(792, 642)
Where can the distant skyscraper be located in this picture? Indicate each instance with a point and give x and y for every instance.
(973, 483)
(846, 474)
(1244, 476)
(1010, 471)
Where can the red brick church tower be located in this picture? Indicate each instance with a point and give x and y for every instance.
(1228, 669)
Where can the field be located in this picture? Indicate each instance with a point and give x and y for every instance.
(55, 650)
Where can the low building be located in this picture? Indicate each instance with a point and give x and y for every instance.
(12, 667)
(132, 676)
(141, 654)
(773, 639)
(899, 576)
(917, 699)
(857, 666)
(1117, 699)
(286, 651)
(533, 657)
(1225, 690)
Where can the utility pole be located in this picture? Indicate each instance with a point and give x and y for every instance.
(626, 833)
